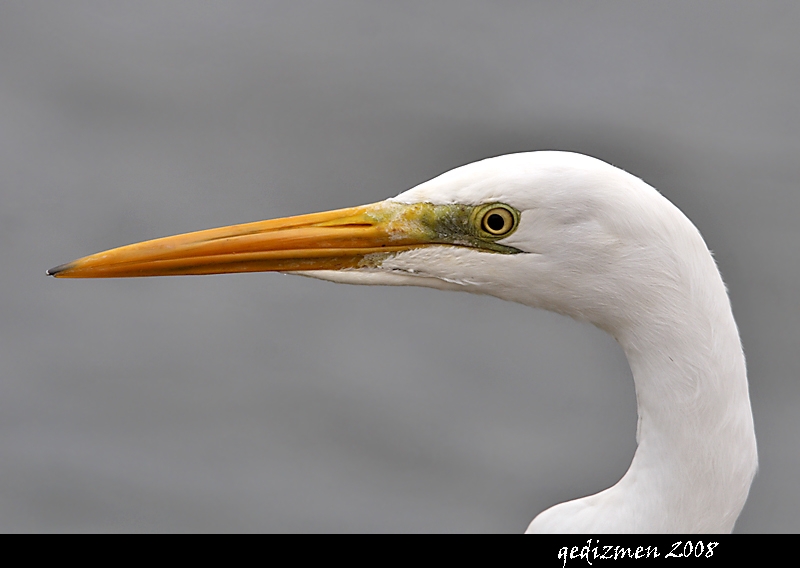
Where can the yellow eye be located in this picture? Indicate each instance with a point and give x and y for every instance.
(498, 221)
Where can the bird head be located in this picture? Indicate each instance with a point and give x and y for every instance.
(555, 230)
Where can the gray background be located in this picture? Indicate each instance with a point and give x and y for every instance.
(264, 402)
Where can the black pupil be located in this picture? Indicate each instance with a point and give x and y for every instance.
(495, 222)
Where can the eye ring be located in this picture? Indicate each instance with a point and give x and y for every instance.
(498, 220)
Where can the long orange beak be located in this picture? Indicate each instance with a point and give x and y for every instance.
(333, 240)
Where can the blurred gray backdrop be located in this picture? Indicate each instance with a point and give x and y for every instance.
(265, 402)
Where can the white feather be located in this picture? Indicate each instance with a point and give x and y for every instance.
(605, 247)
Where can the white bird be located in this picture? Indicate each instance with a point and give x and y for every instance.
(562, 232)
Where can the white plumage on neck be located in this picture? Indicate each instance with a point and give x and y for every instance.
(697, 454)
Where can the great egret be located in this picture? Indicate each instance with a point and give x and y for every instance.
(552, 230)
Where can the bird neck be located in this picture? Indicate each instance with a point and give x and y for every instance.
(696, 453)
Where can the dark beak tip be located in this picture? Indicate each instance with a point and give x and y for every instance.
(58, 269)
